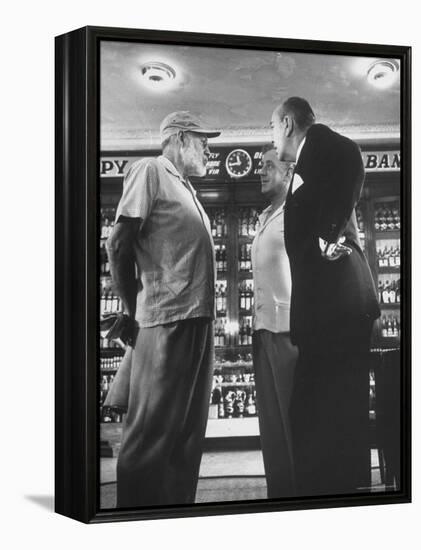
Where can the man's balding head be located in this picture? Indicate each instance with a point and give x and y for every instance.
(290, 122)
(300, 110)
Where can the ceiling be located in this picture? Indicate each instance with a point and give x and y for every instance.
(236, 91)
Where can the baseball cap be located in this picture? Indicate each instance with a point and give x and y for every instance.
(185, 121)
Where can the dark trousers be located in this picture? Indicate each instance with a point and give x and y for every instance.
(170, 384)
(274, 359)
(330, 413)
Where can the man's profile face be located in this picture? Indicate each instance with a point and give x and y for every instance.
(274, 175)
(195, 154)
(278, 133)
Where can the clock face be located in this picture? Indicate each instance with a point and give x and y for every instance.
(238, 163)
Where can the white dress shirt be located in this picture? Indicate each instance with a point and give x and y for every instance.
(271, 273)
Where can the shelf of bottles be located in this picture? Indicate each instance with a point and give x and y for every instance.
(110, 352)
(247, 223)
(233, 394)
(219, 230)
(388, 260)
(106, 414)
(361, 227)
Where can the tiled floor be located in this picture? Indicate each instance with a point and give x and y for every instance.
(224, 476)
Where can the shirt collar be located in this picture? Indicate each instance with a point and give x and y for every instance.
(300, 148)
(169, 166)
(266, 211)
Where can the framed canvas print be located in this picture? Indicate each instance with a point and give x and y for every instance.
(232, 274)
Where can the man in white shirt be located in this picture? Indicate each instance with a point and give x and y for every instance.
(274, 356)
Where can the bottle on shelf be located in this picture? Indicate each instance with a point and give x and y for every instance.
(250, 406)
(229, 404)
(387, 217)
(221, 407)
(220, 332)
(239, 399)
(390, 327)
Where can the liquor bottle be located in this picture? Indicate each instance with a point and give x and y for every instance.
(239, 404)
(216, 394)
(392, 293)
(218, 299)
(223, 334)
(390, 225)
(219, 225)
(247, 263)
(377, 219)
(397, 217)
(242, 333)
(391, 257)
(116, 303)
(104, 228)
(383, 215)
(250, 297)
(394, 328)
(224, 258)
(104, 387)
(250, 405)
(380, 291)
(384, 327)
(103, 301)
(385, 293)
(384, 257)
(248, 333)
(221, 407)
(398, 291)
(244, 224)
(106, 415)
(223, 301)
(213, 223)
(243, 258)
(217, 256)
(217, 333)
(229, 404)
(389, 328)
(242, 297)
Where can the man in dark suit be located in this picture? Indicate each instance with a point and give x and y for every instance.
(333, 303)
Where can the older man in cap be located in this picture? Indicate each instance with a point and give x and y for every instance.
(162, 231)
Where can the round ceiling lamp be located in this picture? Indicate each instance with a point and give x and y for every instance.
(157, 75)
(382, 73)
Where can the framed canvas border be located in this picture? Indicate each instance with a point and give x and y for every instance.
(77, 143)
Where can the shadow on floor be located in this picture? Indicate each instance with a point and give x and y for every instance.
(45, 501)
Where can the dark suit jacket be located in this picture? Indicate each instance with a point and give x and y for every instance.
(327, 295)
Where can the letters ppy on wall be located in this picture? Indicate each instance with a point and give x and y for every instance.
(235, 163)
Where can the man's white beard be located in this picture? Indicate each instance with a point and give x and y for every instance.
(189, 157)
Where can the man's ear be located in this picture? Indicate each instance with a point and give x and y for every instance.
(181, 137)
(290, 170)
(289, 125)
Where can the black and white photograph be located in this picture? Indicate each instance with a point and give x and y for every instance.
(250, 281)
(210, 277)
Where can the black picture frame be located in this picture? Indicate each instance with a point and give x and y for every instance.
(77, 209)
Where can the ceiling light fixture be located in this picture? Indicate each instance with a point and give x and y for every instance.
(382, 73)
(157, 75)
